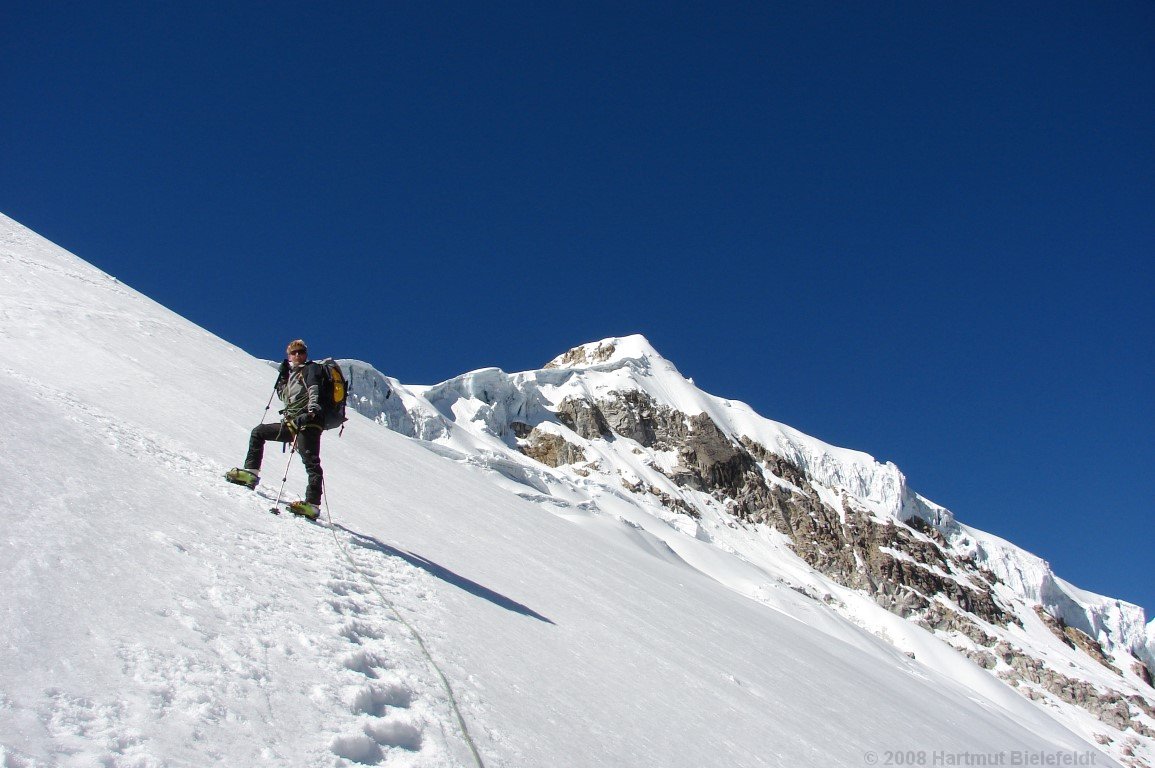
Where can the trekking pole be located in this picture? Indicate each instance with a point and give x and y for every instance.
(276, 510)
(269, 404)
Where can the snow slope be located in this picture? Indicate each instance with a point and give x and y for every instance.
(153, 615)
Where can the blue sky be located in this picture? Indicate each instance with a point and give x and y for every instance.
(916, 229)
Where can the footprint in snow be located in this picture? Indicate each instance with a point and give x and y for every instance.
(366, 662)
(377, 738)
(377, 698)
(382, 703)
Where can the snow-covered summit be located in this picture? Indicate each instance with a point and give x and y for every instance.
(632, 363)
(606, 352)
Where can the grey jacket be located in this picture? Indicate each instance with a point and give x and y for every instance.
(300, 391)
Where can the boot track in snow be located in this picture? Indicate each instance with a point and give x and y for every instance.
(366, 748)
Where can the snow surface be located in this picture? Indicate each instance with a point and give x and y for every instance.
(153, 615)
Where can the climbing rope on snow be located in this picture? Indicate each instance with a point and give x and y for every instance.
(414, 633)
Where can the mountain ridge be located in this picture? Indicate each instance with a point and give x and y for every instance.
(848, 516)
(612, 353)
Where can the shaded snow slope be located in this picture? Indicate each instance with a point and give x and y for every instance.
(155, 616)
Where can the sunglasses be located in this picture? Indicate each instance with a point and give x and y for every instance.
(298, 352)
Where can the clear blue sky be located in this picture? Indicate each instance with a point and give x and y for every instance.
(922, 230)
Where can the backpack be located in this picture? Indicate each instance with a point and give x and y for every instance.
(334, 393)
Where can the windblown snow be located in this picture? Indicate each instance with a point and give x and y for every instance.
(457, 606)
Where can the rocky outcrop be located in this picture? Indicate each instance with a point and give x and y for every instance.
(904, 571)
(1143, 673)
(548, 448)
(635, 416)
(672, 503)
(584, 418)
(1076, 638)
(774, 464)
(1034, 679)
(904, 568)
(1109, 706)
(713, 462)
(584, 355)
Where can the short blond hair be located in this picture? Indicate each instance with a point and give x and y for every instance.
(297, 344)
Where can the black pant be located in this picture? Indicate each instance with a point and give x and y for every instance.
(308, 445)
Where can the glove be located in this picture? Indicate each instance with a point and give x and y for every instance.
(304, 418)
(284, 369)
